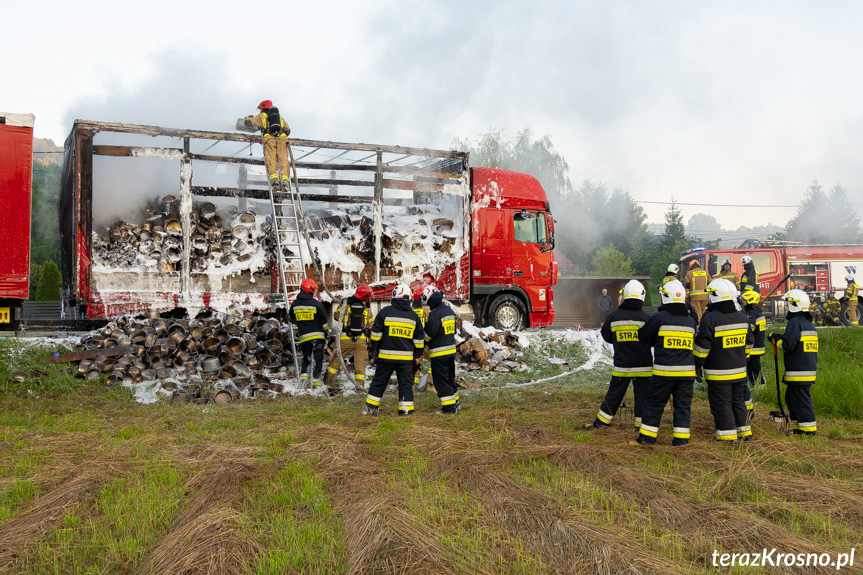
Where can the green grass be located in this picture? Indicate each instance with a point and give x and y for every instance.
(838, 391)
(511, 485)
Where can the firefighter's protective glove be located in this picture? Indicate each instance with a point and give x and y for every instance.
(774, 338)
(247, 121)
(699, 373)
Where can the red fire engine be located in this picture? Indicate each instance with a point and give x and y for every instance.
(816, 270)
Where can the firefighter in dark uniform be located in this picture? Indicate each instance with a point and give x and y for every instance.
(671, 273)
(632, 359)
(721, 344)
(799, 344)
(355, 330)
(422, 312)
(275, 139)
(758, 322)
(397, 346)
(311, 319)
(832, 309)
(670, 332)
(696, 283)
(749, 278)
(851, 292)
(440, 329)
(727, 274)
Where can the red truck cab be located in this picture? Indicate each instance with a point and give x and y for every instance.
(16, 175)
(512, 237)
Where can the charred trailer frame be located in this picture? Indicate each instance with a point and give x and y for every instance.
(344, 187)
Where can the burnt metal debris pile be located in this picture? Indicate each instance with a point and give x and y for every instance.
(218, 239)
(489, 352)
(225, 357)
(220, 358)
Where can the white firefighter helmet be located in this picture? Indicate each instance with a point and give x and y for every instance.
(797, 300)
(402, 291)
(721, 290)
(849, 278)
(745, 260)
(633, 290)
(673, 268)
(673, 292)
(428, 291)
(726, 262)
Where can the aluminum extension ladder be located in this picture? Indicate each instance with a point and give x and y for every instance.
(288, 232)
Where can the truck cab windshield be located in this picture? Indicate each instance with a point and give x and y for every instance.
(529, 227)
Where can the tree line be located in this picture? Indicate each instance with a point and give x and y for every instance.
(607, 234)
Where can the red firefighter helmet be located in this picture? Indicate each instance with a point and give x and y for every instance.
(364, 293)
(418, 293)
(309, 285)
(265, 104)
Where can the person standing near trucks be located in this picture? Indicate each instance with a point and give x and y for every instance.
(632, 359)
(759, 332)
(440, 329)
(398, 340)
(851, 292)
(727, 274)
(696, 284)
(311, 319)
(422, 312)
(603, 302)
(749, 278)
(275, 132)
(832, 309)
(670, 333)
(671, 273)
(721, 345)
(799, 345)
(355, 329)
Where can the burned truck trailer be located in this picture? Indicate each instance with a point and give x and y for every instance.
(156, 219)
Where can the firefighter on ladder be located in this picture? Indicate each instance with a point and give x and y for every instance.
(670, 332)
(721, 345)
(632, 359)
(355, 330)
(311, 319)
(851, 292)
(799, 345)
(397, 346)
(275, 132)
(696, 285)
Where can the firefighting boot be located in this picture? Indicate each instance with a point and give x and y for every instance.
(316, 382)
(371, 409)
(304, 380)
(406, 408)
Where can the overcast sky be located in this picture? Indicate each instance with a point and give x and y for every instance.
(736, 102)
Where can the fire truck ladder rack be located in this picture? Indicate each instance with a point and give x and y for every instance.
(287, 231)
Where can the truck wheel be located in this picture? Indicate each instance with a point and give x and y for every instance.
(845, 318)
(508, 312)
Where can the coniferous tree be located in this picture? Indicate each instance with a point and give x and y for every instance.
(49, 283)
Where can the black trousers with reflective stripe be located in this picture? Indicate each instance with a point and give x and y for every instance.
(404, 371)
(313, 355)
(617, 390)
(658, 391)
(727, 405)
(799, 401)
(443, 369)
